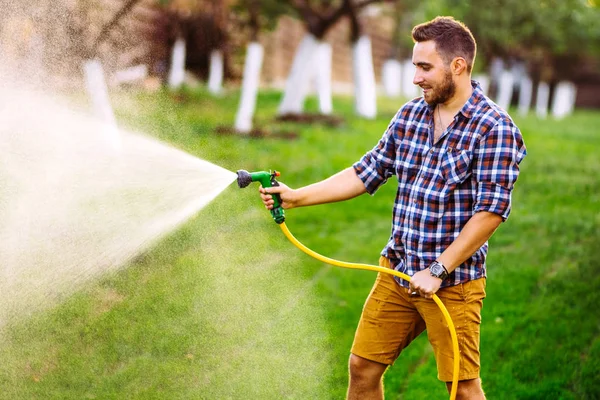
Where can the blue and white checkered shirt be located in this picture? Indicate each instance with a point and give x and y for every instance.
(473, 167)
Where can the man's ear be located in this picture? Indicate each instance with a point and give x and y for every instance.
(458, 65)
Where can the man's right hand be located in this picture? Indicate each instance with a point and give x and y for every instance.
(285, 193)
(342, 186)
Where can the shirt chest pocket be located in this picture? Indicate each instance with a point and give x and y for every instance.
(455, 165)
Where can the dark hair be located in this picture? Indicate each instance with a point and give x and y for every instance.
(452, 39)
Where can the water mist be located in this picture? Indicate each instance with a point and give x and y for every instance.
(73, 206)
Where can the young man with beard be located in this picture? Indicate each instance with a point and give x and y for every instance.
(456, 156)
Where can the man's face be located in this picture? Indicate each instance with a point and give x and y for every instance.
(431, 74)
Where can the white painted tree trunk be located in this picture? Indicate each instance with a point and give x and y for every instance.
(215, 74)
(496, 69)
(525, 94)
(391, 77)
(409, 89)
(365, 89)
(250, 81)
(505, 89)
(484, 82)
(299, 76)
(177, 70)
(564, 99)
(323, 77)
(541, 104)
(98, 92)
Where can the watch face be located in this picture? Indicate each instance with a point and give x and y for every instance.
(437, 270)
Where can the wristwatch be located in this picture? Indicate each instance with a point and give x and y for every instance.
(438, 270)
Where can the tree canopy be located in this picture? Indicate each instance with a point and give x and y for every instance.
(551, 36)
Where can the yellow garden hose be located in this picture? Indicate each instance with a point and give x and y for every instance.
(368, 267)
(268, 179)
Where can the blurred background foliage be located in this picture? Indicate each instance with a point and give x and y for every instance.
(556, 38)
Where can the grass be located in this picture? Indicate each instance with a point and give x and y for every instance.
(226, 308)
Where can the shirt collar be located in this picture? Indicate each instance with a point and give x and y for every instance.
(477, 95)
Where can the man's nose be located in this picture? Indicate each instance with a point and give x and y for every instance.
(417, 78)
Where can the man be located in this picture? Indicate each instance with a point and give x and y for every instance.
(456, 156)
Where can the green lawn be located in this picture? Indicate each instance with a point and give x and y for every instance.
(226, 308)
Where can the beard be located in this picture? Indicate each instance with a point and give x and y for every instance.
(443, 92)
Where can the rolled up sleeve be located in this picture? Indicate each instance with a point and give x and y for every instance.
(376, 166)
(496, 167)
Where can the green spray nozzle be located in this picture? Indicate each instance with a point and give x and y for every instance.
(266, 179)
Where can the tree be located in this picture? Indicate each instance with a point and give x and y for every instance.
(313, 56)
(256, 14)
(218, 10)
(552, 37)
(365, 87)
(199, 37)
(95, 81)
(396, 67)
(95, 77)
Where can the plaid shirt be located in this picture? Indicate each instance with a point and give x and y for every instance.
(472, 167)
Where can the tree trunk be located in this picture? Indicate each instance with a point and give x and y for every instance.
(409, 89)
(484, 82)
(365, 90)
(250, 82)
(391, 76)
(215, 74)
(312, 57)
(298, 79)
(323, 77)
(525, 94)
(95, 80)
(505, 89)
(543, 94)
(563, 99)
(177, 70)
(217, 55)
(98, 92)
(312, 63)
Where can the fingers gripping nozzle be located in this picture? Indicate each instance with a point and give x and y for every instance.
(266, 179)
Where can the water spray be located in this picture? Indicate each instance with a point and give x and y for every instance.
(268, 179)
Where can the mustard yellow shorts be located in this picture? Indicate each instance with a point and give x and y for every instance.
(392, 319)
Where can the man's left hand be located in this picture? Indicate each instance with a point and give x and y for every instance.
(424, 284)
